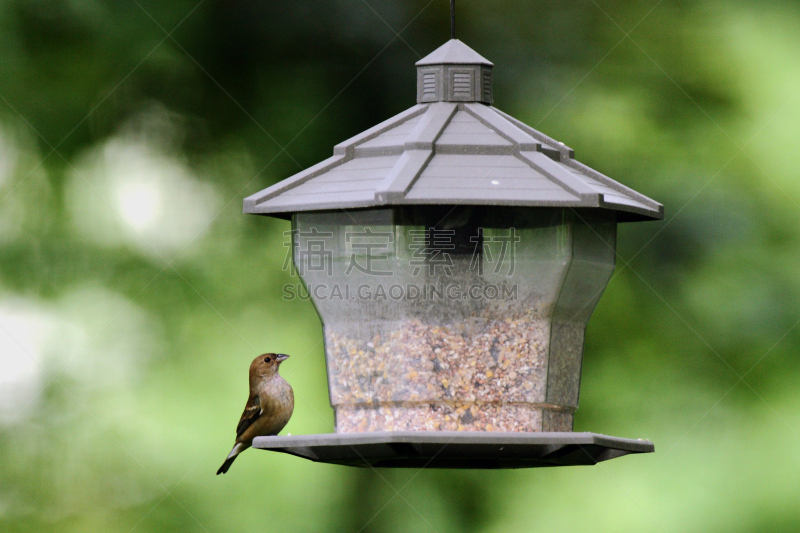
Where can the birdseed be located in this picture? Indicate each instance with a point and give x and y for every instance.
(477, 375)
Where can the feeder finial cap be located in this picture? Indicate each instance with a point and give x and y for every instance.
(454, 72)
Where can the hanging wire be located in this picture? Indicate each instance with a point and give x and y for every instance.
(452, 19)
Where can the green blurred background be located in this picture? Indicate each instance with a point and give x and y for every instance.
(134, 293)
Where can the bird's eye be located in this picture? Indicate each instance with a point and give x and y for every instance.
(267, 360)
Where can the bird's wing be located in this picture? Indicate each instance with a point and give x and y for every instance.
(251, 412)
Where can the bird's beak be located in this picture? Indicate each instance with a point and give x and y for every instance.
(282, 357)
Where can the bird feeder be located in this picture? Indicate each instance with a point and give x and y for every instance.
(454, 255)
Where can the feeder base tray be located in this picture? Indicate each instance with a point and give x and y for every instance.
(455, 449)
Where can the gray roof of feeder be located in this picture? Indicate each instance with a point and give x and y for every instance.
(453, 147)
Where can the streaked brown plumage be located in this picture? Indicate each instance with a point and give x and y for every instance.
(269, 407)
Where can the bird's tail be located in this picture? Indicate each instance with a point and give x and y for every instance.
(226, 465)
(237, 449)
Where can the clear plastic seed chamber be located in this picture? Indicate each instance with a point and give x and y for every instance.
(454, 318)
(454, 256)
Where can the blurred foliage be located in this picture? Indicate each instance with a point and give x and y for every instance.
(133, 292)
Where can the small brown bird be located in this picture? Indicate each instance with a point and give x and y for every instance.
(269, 407)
